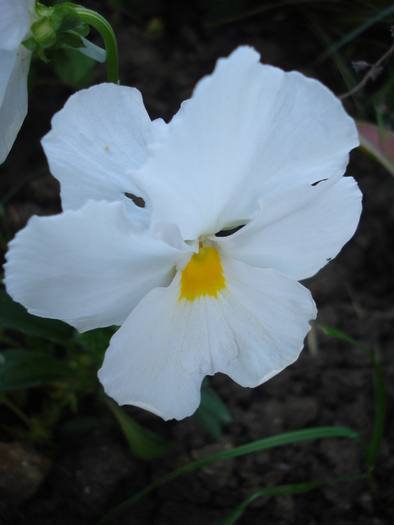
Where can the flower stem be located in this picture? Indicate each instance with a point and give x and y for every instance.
(103, 27)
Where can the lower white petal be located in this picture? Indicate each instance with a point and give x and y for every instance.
(251, 331)
(143, 364)
(88, 267)
(268, 315)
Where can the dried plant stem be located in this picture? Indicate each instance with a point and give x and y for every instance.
(369, 74)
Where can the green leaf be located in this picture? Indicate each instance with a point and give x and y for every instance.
(25, 368)
(142, 442)
(14, 317)
(212, 412)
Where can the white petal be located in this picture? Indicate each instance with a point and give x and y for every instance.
(14, 23)
(14, 68)
(7, 63)
(268, 315)
(248, 131)
(88, 267)
(299, 231)
(100, 134)
(253, 330)
(143, 364)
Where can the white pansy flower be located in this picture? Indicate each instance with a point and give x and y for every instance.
(244, 197)
(15, 20)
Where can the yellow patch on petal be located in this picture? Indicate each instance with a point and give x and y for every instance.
(203, 275)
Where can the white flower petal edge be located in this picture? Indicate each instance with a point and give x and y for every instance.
(301, 230)
(99, 134)
(13, 106)
(88, 267)
(15, 22)
(249, 130)
(255, 328)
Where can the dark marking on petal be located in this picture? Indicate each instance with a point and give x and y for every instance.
(227, 233)
(318, 181)
(329, 259)
(138, 201)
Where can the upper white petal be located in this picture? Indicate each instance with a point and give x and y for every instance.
(88, 267)
(249, 131)
(253, 330)
(14, 23)
(99, 135)
(14, 69)
(299, 230)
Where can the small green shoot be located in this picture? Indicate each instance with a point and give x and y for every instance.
(142, 442)
(212, 412)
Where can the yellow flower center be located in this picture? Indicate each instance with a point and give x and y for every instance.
(203, 275)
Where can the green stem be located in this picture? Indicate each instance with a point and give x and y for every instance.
(103, 27)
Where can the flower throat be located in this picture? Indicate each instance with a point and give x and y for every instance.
(203, 275)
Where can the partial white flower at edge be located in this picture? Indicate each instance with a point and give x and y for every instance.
(254, 148)
(15, 20)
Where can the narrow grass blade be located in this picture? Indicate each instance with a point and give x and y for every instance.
(381, 15)
(262, 444)
(380, 395)
(283, 490)
(344, 70)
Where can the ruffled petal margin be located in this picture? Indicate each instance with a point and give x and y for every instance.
(255, 328)
(249, 131)
(101, 133)
(301, 230)
(88, 267)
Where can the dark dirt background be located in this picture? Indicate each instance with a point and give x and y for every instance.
(331, 383)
